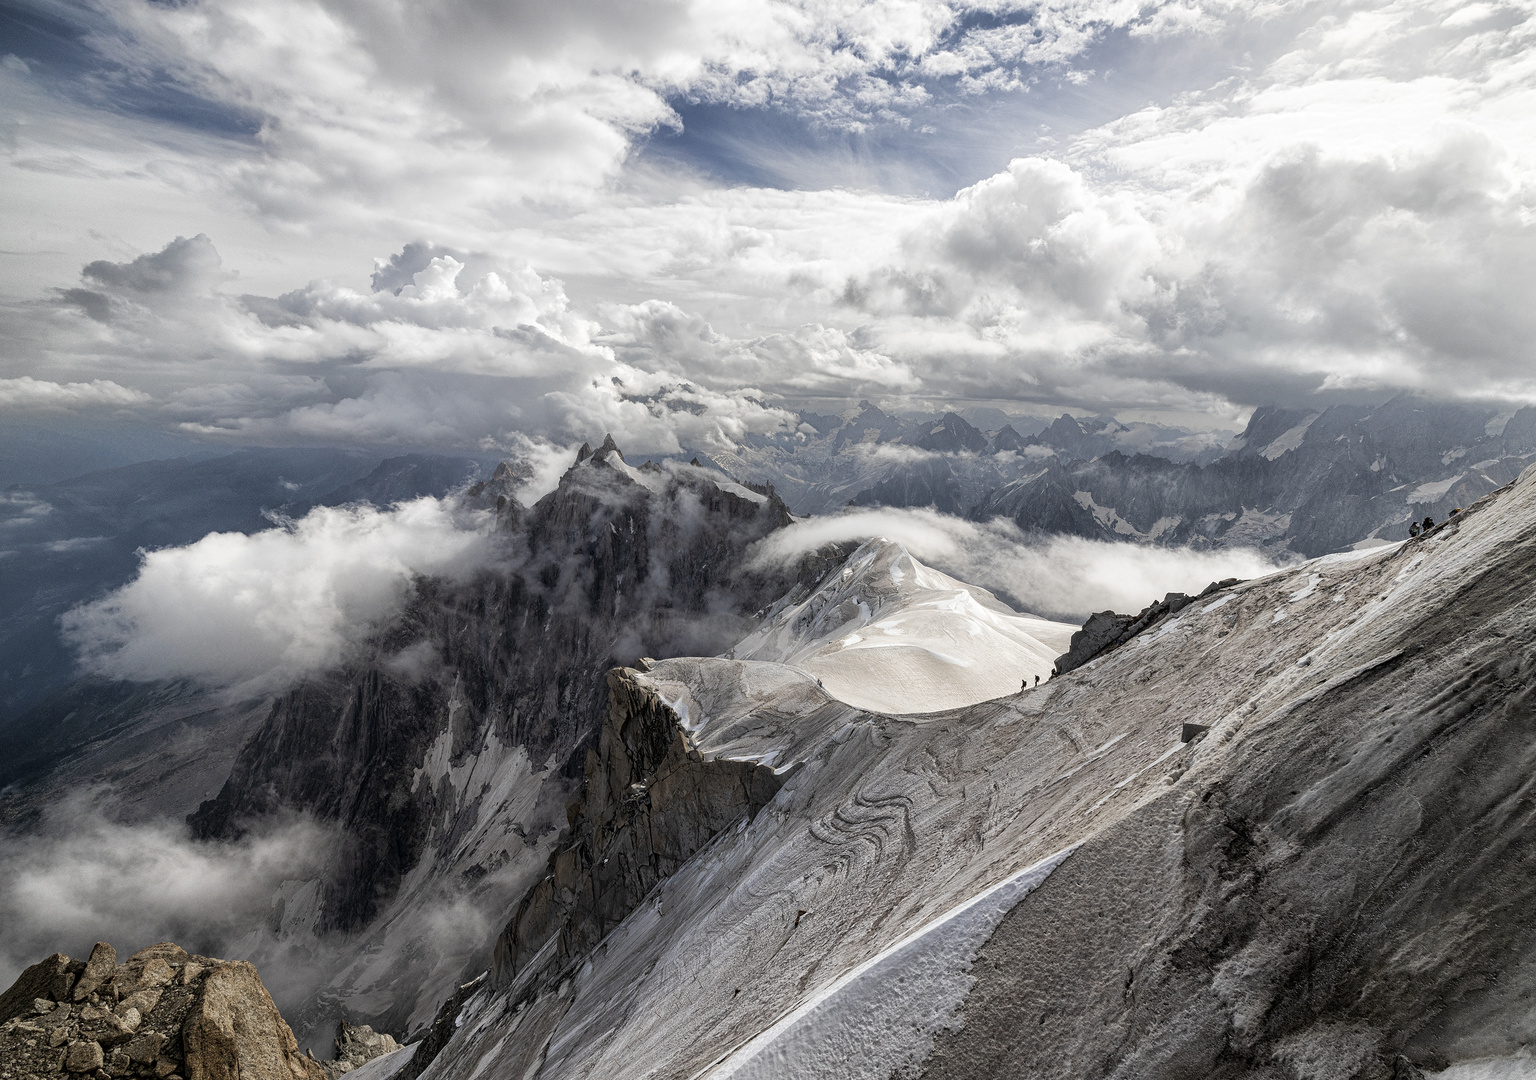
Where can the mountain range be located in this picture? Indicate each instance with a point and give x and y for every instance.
(837, 829)
(1296, 481)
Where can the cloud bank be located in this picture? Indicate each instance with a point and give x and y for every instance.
(1063, 577)
(1298, 203)
(80, 877)
(27, 393)
(258, 611)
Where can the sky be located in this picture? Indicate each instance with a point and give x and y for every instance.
(473, 225)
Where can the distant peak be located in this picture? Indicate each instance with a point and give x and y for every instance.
(608, 447)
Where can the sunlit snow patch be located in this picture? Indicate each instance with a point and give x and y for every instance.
(883, 1016)
(889, 634)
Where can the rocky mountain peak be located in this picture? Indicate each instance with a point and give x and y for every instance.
(608, 447)
(952, 434)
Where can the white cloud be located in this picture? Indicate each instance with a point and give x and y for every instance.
(1337, 204)
(1066, 577)
(445, 357)
(26, 392)
(263, 609)
(438, 117)
(79, 877)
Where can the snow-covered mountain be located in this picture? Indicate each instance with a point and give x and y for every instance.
(1283, 832)
(887, 633)
(1303, 482)
(1277, 832)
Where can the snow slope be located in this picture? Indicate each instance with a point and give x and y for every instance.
(887, 633)
(1335, 881)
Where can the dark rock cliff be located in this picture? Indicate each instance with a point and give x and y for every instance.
(650, 801)
(614, 564)
(1105, 630)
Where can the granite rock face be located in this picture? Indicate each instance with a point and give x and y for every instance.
(356, 1045)
(165, 1014)
(650, 801)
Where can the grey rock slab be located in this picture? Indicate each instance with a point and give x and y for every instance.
(98, 969)
(84, 1056)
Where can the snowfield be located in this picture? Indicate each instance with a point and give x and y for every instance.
(889, 634)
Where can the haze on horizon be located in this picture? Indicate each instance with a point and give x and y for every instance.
(470, 225)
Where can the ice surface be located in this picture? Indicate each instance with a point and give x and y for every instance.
(882, 1016)
(828, 934)
(889, 634)
(385, 1066)
(1289, 440)
(1428, 493)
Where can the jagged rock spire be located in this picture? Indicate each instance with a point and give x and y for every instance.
(608, 447)
(601, 453)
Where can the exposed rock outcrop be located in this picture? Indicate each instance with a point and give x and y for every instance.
(165, 1014)
(1105, 630)
(357, 1045)
(650, 801)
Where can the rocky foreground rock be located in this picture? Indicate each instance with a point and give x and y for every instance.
(166, 1014)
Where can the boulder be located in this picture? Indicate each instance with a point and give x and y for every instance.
(98, 969)
(356, 1045)
(84, 1056)
(145, 1049)
(155, 973)
(234, 1032)
(51, 978)
(144, 1000)
(165, 950)
(360, 1044)
(118, 1063)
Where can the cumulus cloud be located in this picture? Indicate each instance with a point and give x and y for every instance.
(1345, 213)
(39, 394)
(80, 877)
(1063, 577)
(449, 349)
(468, 105)
(262, 609)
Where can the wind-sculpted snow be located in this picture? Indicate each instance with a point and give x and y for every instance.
(883, 1016)
(1334, 881)
(890, 634)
